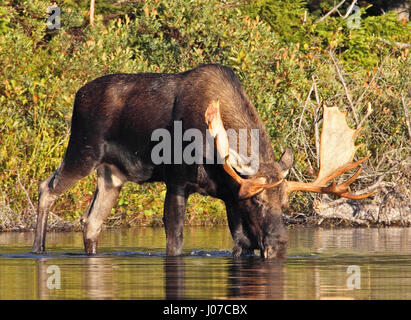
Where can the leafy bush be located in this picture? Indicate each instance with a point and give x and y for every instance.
(363, 46)
(276, 60)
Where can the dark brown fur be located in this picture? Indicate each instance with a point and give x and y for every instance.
(113, 119)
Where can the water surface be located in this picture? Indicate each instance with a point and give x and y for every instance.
(132, 265)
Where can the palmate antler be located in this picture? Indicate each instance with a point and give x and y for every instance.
(337, 149)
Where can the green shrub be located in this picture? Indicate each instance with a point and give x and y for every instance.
(364, 46)
(275, 54)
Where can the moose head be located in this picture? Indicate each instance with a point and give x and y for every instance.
(260, 203)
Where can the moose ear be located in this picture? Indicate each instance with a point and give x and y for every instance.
(286, 162)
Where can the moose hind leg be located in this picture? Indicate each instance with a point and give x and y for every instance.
(109, 182)
(46, 199)
(49, 190)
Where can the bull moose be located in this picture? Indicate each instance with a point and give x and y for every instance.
(113, 120)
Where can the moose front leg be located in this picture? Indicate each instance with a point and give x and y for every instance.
(242, 245)
(174, 210)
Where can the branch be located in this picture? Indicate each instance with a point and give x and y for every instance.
(401, 45)
(347, 92)
(25, 192)
(369, 111)
(407, 120)
(92, 12)
(330, 12)
(304, 106)
(372, 80)
(316, 122)
(350, 9)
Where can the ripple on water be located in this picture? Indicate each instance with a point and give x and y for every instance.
(124, 253)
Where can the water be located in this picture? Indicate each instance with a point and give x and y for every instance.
(132, 265)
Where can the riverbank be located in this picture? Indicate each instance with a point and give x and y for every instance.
(391, 211)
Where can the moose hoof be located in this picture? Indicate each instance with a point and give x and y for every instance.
(38, 247)
(237, 251)
(242, 251)
(38, 250)
(90, 246)
(173, 251)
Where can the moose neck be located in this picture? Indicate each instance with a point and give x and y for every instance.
(249, 120)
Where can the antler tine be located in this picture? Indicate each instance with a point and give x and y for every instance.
(342, 170)
(338, 190)
(352, 179)
(337, 148)
(346, 184)
(229, 169)
(342, 188)
(357, 197)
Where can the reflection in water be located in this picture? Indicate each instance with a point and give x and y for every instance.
(132, 265)
(43, 291)
(255, 278)
(174, 277)
(98, 278)
(248, 278)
